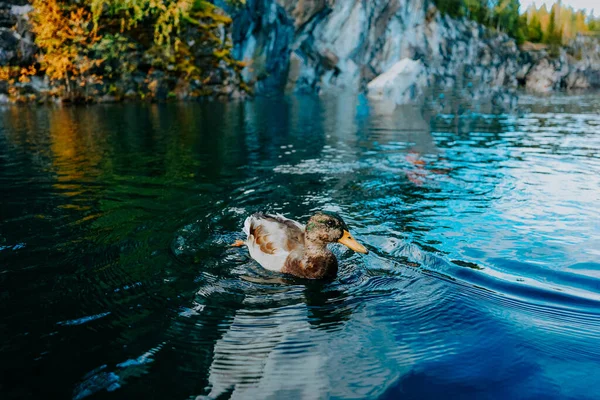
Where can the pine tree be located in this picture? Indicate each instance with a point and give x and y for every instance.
(553, 34)
(534, 31)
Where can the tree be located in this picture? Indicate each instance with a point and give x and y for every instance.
(580, 25)
(63, 35)
(554, 27)
(534, 30)
(476, 10)
(450, 7)
(553, 35)
(505, 16)
(544, 16)
(86, 42)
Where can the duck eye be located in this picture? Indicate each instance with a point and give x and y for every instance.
(330, 223)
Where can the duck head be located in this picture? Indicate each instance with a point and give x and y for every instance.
(328, 227)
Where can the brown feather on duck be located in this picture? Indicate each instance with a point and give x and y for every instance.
(284, 245)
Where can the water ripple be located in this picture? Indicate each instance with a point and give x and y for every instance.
(118, 279)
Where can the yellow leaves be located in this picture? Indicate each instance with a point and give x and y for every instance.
(80, 44)
(167, 15)
(64, 36)
(12, 74)
(560, 25)
(169, 21)
(25, 73)
(28, 71)
(221, 53)
(152, 86)
(210, 11)
(5, 73)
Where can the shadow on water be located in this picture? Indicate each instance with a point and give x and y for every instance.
(118, 282)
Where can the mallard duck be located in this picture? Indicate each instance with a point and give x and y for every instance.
(284, 245)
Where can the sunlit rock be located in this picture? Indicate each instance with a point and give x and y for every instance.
(320, 45)
(401, 84)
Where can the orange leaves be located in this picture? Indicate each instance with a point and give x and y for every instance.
(5, 73)
(63, 34)
(83, 42)
(12, 74)
(559, 25)
(25, 73)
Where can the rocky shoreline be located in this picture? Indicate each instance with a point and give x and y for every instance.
(397, 51)
(350, 45)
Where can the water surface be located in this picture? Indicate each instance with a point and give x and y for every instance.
(483, 279)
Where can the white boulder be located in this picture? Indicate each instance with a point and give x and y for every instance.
(401, 84)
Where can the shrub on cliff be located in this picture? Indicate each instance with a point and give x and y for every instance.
(146, 48)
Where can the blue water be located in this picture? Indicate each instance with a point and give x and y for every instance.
(483, 279)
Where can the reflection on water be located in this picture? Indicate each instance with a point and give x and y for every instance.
(483, 277)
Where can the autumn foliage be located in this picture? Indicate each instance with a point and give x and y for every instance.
(559, 25)
(89, 48)
(64, 36)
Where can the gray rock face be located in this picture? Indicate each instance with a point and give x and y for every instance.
(263, 35)
(545, 76)
(583, 56)
(576, 67)
(317, 45)
(343, 45)
(16, 40)
(346, 44)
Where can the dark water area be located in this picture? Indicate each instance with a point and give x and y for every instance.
(482, 281)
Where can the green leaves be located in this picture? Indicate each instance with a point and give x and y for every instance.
(535, 25)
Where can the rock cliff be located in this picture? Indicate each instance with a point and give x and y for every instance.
(316, 45)
(394, 49)
(16, 42)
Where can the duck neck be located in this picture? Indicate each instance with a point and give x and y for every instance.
(319, 261)
(316, 248)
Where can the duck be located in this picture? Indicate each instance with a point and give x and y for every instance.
(283, 245)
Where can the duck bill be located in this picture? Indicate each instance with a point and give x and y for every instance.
(348, 241)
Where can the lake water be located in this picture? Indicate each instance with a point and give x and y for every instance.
(483, 280)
